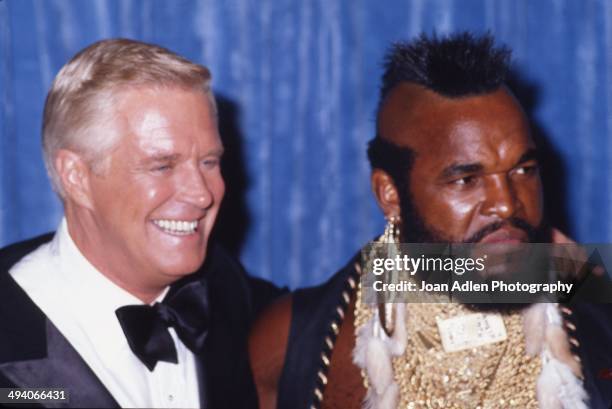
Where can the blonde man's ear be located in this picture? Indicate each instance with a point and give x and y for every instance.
(74, 174)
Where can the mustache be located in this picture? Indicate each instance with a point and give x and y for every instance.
(513, 221)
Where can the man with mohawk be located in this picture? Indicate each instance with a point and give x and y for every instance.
(453, 161)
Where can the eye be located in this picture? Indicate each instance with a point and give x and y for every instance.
(464, 181)
(161, 168)
(526, 170)
(211, 163)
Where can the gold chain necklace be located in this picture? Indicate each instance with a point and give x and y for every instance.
(495, 375)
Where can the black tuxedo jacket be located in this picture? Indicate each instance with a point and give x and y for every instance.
(34, 354)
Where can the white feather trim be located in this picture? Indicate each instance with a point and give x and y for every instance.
(390, 398)
(370, 400)
(557, 386)
(399, 337)
(373, 353)
(359, 353)
(378, 362)
(534, 324)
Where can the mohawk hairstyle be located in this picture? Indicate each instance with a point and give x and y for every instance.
(454, 66)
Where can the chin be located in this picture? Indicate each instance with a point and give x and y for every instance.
(182, 267)
(182, 257)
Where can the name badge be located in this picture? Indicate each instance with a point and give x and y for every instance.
(470, 331)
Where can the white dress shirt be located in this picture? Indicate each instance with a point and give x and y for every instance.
(81, 302)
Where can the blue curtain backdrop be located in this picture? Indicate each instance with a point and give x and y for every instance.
(298, 85)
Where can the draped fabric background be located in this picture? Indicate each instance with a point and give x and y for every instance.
(298, 85)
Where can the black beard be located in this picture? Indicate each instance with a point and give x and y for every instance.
(414, 229)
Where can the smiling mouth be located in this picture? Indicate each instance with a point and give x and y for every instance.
(177, 227)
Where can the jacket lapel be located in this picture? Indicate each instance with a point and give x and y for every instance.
(202, 382)
(63, 368)
(34, 354)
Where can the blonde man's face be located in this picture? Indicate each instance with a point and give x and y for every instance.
(156, 202)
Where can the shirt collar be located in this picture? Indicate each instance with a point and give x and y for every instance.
(95, 297)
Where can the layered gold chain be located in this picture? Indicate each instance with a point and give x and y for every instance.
(495, 375)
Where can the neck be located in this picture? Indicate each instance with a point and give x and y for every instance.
(81, 227)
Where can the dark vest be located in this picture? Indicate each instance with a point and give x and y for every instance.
(314, 309)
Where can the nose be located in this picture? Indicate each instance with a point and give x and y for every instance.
(195, 189)
(500, 197)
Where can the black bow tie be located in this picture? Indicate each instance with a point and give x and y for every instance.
(146, 326)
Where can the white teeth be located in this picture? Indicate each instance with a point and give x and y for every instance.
(178, 227)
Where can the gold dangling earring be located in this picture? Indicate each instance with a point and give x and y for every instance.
(392, 231)
(391, 237)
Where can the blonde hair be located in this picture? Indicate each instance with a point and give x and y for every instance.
(85, 90)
